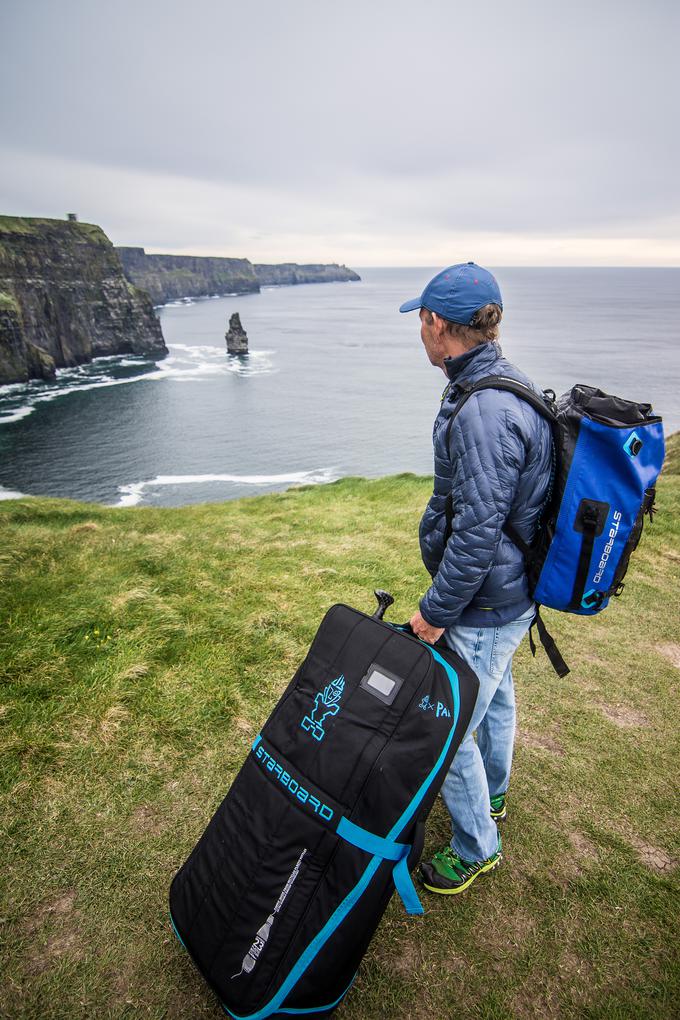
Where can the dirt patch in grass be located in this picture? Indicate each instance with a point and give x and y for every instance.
(539, 741)
(121, 986)
(407, 961)
(243, 726)
(56, 906)
(146, 819)
(509, 932)
(41, 958)
(671, 651)
(544, 995)
(653, 857)
(624, 716)
(579, 975)
(86, 526)
(533, 1001)
(419, 1011)
(63, 939)
(585, 850)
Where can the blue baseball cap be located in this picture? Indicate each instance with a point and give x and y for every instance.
(457, 293)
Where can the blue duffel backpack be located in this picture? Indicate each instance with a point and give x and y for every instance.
(607, 455)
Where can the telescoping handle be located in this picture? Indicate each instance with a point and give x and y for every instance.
(385, 600)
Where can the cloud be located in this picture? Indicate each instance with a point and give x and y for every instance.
(364, 132)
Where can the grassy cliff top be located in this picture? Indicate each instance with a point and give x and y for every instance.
(142, 650)
(32, 225)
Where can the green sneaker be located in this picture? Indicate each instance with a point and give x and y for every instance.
(499, 808)
(449, 874)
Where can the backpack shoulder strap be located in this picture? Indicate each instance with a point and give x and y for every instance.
(542, 404)
(500, 382)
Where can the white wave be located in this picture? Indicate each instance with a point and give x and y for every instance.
(213, 349)
(14, 387)
(15, 414)
(133, 493)
(186, 362)
(10, 494)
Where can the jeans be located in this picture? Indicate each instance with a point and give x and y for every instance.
(481, 770)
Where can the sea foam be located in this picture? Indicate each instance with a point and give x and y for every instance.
(134, 492)
(185, 362)
(10, 494)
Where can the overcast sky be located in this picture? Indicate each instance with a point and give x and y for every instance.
(366, 132)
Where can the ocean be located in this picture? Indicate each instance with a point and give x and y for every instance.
(336, 383)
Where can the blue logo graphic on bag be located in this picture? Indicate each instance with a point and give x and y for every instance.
(291, 784)
(438, 707)
(326, 702)
(633, 444)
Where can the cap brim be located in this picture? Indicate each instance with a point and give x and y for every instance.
(410, 306)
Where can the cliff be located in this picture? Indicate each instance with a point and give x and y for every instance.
(169, 277)
(289, 273)
(64, 299)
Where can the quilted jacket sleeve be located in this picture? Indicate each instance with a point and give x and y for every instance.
(488, 457)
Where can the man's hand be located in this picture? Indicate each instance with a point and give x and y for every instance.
(422, 629)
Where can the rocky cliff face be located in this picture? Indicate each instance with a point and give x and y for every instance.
(169, 277)
(64, 299)
(289, 273)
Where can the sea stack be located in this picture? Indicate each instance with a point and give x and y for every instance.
(236, 336)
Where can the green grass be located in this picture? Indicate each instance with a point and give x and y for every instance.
(35, 225)
(8, 303)
(143, 648)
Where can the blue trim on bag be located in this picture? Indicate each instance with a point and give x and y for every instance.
(389, 850)
(298, 1012)
(179, 937)
(406, 889)
(372, 844)
(256, 741)
(314, 1009)
(350, 900)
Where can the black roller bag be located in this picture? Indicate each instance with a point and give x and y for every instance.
(280, 898)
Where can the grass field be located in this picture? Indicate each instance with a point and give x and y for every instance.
(142, 649)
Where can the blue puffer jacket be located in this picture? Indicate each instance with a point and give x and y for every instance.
(498, 469)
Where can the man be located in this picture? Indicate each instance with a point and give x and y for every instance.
(493, 465)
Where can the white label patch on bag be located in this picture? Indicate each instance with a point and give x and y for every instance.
(253, 954)
(381, 683)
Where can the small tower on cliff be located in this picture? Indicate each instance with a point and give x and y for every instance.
(236, 336)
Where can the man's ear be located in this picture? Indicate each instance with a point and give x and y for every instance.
(439, 324)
